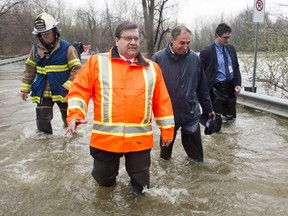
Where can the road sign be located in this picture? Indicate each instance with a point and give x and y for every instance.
(259, 10)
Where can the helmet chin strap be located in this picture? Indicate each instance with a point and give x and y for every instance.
(49, 46)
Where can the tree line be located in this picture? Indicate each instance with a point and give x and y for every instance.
(95, 25)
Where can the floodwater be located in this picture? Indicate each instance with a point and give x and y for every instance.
(245, 171)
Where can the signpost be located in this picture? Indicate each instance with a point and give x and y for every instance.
(258, 17)
(259, 9)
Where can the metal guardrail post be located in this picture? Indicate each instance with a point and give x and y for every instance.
(265, 103)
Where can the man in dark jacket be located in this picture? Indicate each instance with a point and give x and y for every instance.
(186, 84)
(222, 72)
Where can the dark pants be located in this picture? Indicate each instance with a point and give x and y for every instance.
(44, 114)
(106, 166)
(223, 99)
(191, 142)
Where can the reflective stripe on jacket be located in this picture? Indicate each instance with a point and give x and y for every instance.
(55, 71)
(124, 97)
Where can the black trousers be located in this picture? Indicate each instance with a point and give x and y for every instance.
(44, 114)
(106, 166)
(191, 142)
(223, 99)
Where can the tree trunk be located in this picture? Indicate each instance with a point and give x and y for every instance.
(148, 11)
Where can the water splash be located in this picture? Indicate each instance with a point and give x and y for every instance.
(166, 194)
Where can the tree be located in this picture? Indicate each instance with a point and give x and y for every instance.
(89, 17)
(162, 22)
(243, 30)
(107, 36)
(6, 5)
(148, 12)
(156, 25)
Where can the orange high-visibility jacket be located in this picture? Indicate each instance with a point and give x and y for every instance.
(124, 97)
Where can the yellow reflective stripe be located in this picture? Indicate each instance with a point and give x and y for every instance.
(122, 129)
(105, 80)
(41, 70)
(121, 134)
(31, 62)
(101, 84)
(58, 98)
(67, 84)
(74, 62)
(166, 126)
(35, 99)
(77, 103)
(146, 109)
(47, 94)
(56, 68)
(110, 90)
(25, 87)
(165, 122)
(150, 79)
(52, 68)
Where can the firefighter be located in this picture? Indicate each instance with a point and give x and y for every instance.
(50, 70)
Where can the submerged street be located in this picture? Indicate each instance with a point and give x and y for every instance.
(244, 170)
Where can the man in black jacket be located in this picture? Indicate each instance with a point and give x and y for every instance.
(222, 72)
(186, 84)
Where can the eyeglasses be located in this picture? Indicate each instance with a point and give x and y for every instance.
(130, 38)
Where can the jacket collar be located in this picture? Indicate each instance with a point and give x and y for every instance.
(43, 51)
(139, 59)
(174, 56)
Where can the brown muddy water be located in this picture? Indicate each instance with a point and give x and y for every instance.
(245, 171)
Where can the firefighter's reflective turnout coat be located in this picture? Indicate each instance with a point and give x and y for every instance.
(54, 74)
(124, 97)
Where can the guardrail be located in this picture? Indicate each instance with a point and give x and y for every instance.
(265, 103)
(13, 60)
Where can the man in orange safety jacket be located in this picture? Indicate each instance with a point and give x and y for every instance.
(125, 88)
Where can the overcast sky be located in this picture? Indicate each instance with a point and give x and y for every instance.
(191, 10)
(206, 10)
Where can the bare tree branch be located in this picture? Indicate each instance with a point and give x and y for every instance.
(6, 5)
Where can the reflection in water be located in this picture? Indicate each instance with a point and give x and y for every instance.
(244, 172)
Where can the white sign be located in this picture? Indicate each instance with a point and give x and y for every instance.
(259, 10)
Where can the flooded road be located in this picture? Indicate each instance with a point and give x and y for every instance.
(245, 171)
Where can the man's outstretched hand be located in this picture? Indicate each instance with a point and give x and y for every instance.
(71, 129)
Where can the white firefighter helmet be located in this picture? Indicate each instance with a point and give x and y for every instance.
(43, 23)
